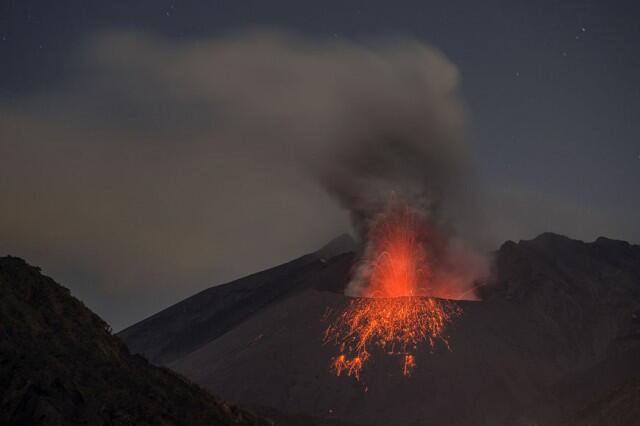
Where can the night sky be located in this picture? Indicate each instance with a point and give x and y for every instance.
(552, 90)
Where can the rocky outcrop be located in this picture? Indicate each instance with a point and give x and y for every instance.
(60, 365)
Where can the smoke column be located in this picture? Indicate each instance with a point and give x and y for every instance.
(157, 160)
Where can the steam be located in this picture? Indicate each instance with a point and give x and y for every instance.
(161, 162)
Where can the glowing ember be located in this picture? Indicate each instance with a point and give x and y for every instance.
(395, 325)
(394, 314)
(409, 363)
(400, 265)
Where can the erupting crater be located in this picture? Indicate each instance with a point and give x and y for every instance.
(394, 280)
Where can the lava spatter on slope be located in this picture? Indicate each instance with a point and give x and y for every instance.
(395, 325)
(394, 312)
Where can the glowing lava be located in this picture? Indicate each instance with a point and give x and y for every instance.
(394, 313)
(399, 263)
(395, 325)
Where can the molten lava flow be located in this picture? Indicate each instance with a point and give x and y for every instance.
(394, 313)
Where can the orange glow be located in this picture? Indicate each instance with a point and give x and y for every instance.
(400, 264)
(395, 325)
(394, 315)
(409, 363)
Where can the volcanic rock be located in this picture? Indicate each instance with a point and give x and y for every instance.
(60, 365)
(556, 331)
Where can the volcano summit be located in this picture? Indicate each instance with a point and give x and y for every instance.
(556, 330)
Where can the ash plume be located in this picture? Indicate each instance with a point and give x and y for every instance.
(402, 137)
(159, 161)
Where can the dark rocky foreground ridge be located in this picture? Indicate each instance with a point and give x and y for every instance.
(60, 365)
(556, 340)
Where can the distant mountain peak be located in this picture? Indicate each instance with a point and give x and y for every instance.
(344, 243)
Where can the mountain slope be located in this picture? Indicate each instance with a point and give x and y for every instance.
(181, 328)
(619, 407)
(59, 364)
(557, 329)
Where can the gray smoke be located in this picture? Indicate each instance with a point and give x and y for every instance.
(172, 165)
(401, 136)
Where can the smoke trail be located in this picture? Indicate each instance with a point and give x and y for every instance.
(162, 158)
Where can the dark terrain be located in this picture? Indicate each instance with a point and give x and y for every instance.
(60, 365)
(556, 340)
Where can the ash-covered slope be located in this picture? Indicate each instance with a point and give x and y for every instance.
(558, 329)
(187, 325)
(620, 407)
(60, 365)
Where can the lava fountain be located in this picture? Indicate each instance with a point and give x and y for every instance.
(395, 277)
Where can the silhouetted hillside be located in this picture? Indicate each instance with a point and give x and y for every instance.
(60, 365)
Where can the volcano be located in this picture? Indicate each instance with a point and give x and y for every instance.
(556, 331)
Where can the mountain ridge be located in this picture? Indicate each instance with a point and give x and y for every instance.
(209, 313)
(558, 312)
(60, 364)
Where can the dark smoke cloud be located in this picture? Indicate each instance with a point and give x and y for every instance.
(160, 167)
(407, 144)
